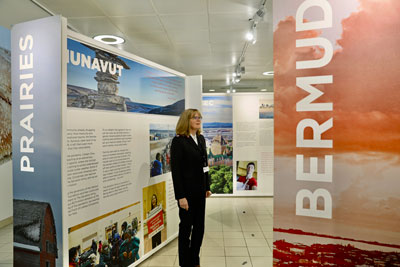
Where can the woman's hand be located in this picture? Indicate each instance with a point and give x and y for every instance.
(208, 193)
(183, 203)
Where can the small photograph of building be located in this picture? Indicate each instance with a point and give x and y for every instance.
(35, 242)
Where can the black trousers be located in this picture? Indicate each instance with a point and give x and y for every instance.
(156, 240)
(191, 232)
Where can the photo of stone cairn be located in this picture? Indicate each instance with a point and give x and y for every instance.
(106, 97)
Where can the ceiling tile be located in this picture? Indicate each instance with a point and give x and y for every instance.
(180, 6)
(155, 49)
(234, 6)
(227, 47)
(138, 23)
(219, 22)
(72, 8)
(14, 12)
(186, 36)
(232, 36)
(148, 38)
(199, 60)
(185, 22)
(125, 7)
(225, 59)
(194, 49)
(94, 26)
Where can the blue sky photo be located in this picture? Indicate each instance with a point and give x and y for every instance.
(135, 83)
(217, 109)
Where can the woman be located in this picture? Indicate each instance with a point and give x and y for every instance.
(191, 184)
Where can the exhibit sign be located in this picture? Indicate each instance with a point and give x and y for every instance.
(337, 128)
(99, 79)
(5, 127)
(36, 115)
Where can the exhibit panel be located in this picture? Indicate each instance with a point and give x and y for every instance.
(253, 143)
(238, 129)
(5, 128)
(337, 118)
(92, 130)
(121, 114)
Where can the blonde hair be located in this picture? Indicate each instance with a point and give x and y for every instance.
(183, 125)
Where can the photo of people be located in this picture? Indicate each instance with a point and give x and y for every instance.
(154, 216)
(246, 175)
(109, 240)
(266, 108)
(160, 142)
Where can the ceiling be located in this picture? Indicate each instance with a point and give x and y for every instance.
(195, 37)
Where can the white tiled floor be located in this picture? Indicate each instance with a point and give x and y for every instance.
(238, 233)
(6, 249)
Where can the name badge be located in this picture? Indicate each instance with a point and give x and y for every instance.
(206, 169)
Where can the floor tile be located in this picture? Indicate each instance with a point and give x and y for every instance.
(256, 242)
(234, 242)
(236, 251)
(238, 262)
(236, 234)
(261, 261)
(212, 261)
(259, 251)
(162, 260)
(213, 252)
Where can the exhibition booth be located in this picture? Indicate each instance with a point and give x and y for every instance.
(92, 126)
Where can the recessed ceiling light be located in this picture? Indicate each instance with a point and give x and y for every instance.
(109, 39)
(212, 90)
(263, 90)
(268, 73)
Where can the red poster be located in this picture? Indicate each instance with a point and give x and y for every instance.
(155, 223)
(337, 132)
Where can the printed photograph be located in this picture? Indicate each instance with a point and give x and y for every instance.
(154, 216)
(112, 239)
(246, 175)
(101, 80)
(161, 136)
(5, 96)
(364, 227)
(218, 133)
(266, 109)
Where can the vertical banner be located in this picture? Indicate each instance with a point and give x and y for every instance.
(217, 130)
(36, 114)
(337, 133)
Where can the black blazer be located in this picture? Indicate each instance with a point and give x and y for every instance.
(187, 162)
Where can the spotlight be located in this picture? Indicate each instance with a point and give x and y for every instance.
(268, 73)
(233, 90)
(109, 39)
(249, 36)
(228, 91)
